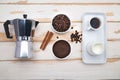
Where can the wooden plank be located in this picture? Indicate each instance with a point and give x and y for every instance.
(112, 45)
(44, 65)
(58, 1)
(45, 13)
(8, 52)
(58, 70)
(109, 60)
(112, 31)
(38, 54)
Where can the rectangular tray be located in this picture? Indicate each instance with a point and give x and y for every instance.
(97, 35)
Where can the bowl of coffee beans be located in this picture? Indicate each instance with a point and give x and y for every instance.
(61, 23)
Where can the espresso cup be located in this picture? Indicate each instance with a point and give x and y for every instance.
(94, 23)
(95, 48)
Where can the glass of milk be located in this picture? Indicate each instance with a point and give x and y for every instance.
(95, 48)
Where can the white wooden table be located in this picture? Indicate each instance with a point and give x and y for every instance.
(44, 65)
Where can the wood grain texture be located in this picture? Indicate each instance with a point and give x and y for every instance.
(45, 13)
(112, 51)
(112, 44)
(112, 31)
(58, 70)
(109, 60)
(44, 65)
(58, 1)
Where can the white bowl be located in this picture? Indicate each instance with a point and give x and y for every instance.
(58, 31)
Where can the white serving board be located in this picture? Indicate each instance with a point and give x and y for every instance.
(93, 36)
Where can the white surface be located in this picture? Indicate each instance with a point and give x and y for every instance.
(91, 36)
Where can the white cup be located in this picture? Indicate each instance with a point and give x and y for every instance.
(95, 48)
(94, 23)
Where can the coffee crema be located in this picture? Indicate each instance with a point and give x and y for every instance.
(61, 49)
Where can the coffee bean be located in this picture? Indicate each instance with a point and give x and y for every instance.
(57, 37)
(76, 37)
(61, 23)
(71, 27)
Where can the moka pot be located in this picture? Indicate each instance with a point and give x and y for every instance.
(23, 29)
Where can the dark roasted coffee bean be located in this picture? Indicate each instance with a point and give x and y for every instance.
(72, 37)
(76, 37)
(57, 37)
(71, 27)
(61, 23)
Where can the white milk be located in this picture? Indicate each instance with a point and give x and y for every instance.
(95, 48)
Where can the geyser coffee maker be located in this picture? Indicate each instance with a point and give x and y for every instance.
(23, 29)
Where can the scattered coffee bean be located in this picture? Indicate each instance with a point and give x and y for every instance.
(57, 37)
(71, 27)
(76, 37)
(72, 37)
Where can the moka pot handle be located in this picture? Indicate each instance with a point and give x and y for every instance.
(7, 29)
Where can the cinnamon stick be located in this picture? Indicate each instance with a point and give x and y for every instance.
(32, 33)
(46, 40)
